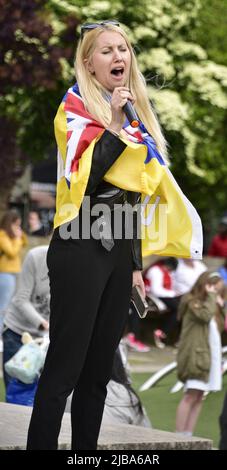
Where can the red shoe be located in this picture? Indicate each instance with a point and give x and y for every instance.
(159, 336)
(135, 344)
(141, 347)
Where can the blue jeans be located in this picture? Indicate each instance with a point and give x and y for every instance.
(11, 344)
(7, 288)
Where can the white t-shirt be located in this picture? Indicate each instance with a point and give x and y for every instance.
(185, 276)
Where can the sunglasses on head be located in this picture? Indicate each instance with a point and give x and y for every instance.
(90, 26)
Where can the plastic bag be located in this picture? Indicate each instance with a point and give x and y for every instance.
(20, 393)
(26, 364)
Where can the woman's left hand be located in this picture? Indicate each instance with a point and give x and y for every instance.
(137, 280)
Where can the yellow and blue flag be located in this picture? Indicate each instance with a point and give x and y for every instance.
(170, 225)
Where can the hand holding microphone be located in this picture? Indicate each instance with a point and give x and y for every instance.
(121, 106)
(131, 114)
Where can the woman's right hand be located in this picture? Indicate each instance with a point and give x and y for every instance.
(220, 301)
(17, 230)
(119, 98)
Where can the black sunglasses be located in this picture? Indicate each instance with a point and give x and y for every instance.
(89, 26)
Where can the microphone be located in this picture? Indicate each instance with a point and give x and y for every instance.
(131, 114)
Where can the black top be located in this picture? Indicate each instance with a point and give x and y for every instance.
(106, 151)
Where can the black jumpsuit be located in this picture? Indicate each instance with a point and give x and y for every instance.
(90, 295)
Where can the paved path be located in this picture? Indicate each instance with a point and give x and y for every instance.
(151, 361)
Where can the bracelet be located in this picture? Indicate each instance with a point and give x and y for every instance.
(113, 132)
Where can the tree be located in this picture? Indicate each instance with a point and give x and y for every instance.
(32, 72)
(210, 31)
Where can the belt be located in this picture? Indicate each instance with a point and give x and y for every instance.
(119, 198)
(103, 222)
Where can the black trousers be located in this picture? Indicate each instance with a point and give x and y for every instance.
(90, 296)
(134, 323)
(170, 323)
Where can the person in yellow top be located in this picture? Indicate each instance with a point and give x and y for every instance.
(12, 240)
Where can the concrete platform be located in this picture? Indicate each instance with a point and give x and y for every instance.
(14, 421)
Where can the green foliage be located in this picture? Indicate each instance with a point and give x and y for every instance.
(210, 32)
(37, 48)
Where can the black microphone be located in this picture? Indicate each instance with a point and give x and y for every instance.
(131, 114)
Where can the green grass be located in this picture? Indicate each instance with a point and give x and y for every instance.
(161, 406)
(2, 391)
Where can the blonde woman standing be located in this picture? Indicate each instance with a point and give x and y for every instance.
(90, 277)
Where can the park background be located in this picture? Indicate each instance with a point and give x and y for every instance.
(182, 52)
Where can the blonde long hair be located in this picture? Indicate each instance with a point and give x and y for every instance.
(92, 91)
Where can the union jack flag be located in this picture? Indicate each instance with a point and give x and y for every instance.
(82, 129)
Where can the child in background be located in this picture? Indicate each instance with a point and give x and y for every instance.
(199, 354)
